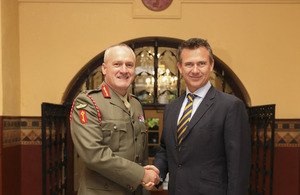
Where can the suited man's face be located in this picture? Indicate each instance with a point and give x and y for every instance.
(195, 67)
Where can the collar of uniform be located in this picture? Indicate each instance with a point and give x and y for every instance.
(111, 92)
(105, 90)
(125, 100)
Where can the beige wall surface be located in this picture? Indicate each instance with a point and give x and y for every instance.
(1, 77)
(259, 42)
(10, 70)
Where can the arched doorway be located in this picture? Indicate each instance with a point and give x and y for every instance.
(152, 53)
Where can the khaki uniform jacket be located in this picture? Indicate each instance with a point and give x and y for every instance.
(110, 140)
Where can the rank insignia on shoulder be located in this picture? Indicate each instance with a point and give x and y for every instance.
(80, 106)
(82, 115)
(141, 118)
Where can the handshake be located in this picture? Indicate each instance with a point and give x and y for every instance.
(151, 177)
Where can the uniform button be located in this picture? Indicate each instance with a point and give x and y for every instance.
(115, 127)
(179, 165)
(137, 158)
(106, 186)
(135, 138)
(130, 187)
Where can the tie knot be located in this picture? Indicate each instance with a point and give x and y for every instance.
(191, 96)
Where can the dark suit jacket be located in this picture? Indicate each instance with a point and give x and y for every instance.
(215, 153)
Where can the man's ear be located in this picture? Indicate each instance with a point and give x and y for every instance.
(103, 68)
(179, 67)
(212, 65)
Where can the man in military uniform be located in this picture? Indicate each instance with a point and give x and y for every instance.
(109, 133)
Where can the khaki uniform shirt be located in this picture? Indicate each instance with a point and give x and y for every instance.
(111, 141)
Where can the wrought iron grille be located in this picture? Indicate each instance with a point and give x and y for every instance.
(55, 130)
(262, 121)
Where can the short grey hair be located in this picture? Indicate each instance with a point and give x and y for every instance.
(107, 51)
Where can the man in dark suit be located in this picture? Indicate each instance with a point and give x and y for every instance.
(208, 150)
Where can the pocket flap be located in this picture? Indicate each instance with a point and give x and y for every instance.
(114, 126)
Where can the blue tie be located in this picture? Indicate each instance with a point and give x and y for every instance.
(185, 119)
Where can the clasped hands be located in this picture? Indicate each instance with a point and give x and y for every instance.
(151, 177)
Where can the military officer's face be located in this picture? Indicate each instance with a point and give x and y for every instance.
(118, 68)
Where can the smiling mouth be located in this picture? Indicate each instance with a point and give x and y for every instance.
(123, 77)
(196, 77)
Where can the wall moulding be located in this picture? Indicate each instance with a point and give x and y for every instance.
(243, 1)
(182, 1)
(75, 1)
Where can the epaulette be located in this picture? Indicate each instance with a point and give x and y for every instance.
(90, 91)
(104, 89)
(98, 111)
(82, 106)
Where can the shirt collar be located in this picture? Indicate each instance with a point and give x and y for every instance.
(123, 98)
(201, 92)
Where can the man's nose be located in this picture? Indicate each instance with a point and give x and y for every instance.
(124, 68)
(195, 68)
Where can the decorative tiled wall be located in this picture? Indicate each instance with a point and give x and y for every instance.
(22, 131)
(27, 131)
(287, 133)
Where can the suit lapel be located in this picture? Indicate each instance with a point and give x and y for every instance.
(201, 110)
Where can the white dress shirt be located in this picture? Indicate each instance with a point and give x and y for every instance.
(201, 92)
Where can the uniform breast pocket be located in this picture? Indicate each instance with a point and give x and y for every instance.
(112, 133)
(141, 138)
(141, 131)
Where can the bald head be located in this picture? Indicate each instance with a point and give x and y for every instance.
(107, 53)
